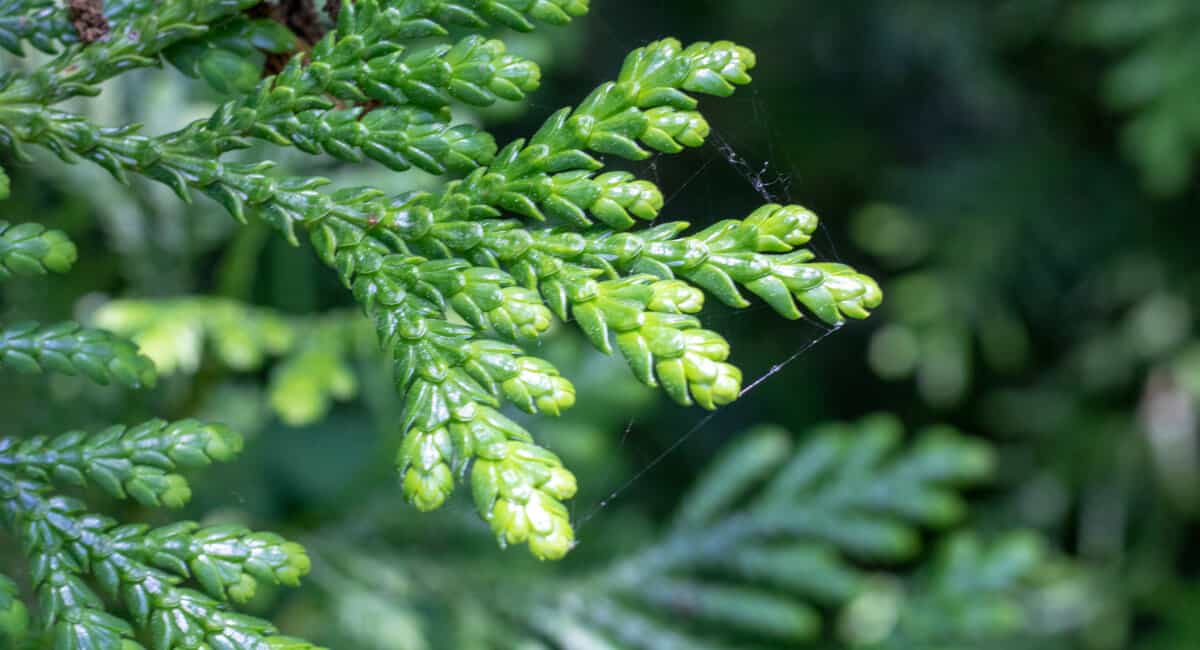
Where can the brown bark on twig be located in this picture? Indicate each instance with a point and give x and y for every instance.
(301, 17)
(333, 8)
(88, 18)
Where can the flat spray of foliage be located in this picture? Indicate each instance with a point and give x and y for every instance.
(781, 542)
(457, 282)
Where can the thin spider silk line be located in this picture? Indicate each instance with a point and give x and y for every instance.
(764, 187)
(696, 174)
(662, 456)
(608, 474)
(760, 182)
(783, 364)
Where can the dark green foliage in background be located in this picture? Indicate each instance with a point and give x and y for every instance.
(1017, 175)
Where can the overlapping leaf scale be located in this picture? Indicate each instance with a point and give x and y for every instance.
(143, 569)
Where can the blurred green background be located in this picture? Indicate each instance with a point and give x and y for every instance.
(1018, 175)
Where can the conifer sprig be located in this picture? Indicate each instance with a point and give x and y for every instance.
(770, 533)
(175, 332)
(394, 98)
(777, 544)
(133, 43)
(31, 249)
(550, 175)
(416, 261)
(143, 569)
(46, 25)
(71, 349)
(126, 462)
(42, 23)
(313, 354)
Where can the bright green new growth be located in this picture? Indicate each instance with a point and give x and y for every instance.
(532, 230)
(30, 249)
(314, 352)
